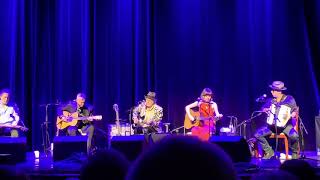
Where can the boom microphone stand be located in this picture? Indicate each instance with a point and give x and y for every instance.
(176, 129)
(302, 129)
(245, 122)
(130, 119)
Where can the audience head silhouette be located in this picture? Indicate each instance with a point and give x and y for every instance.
(182, 157)
(300, 168)
(105, 164)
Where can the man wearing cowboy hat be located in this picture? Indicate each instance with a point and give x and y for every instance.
(273, 107)
(147, 115)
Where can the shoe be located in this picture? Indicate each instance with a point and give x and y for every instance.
(268, 155)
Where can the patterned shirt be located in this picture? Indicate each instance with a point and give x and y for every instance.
(147, 117)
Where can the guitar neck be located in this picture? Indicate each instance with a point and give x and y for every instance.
(16, 127)
(117, 117)
(209, 118)
(85, 118)
(10, 126)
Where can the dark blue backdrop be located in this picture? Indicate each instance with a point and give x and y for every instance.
(117, 50)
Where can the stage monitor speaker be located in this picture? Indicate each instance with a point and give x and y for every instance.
(12, 149)
(66, 146)
(156, 137)
(236, 146)
(130, 146)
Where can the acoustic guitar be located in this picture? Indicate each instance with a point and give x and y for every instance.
(188, 124)
(72, 120)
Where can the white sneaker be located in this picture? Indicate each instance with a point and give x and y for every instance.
(283, 156)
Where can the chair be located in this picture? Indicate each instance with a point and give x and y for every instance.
(285, 138)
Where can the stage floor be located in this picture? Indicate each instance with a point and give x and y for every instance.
(46, 168)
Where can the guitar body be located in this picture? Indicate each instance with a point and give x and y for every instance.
(68, 120)
(188, 124)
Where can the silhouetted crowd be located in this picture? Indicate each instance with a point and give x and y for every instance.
(177, 157)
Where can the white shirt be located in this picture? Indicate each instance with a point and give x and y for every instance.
(8, 115)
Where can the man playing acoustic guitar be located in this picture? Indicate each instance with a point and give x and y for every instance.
(202, 122)
(147, 115)
(68, 122)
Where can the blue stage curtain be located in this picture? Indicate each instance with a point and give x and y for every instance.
(115, 51)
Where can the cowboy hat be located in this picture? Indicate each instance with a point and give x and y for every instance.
(151, 95)
(278, 86)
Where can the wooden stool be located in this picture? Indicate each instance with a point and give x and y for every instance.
(285, 139)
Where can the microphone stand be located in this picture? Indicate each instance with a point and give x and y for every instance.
(45, 130)
(176, 129)
(275, 118)
(302, 129)
(130, 119)
(244, 123)
(276, 129)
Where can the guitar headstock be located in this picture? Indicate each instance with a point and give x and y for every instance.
(116, 107)
(98, 117)
(90, 118)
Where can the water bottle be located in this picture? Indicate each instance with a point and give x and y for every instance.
(231, 127)
(318, 150)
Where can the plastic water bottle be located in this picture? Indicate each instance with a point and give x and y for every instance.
(231, 127)
(318, 150)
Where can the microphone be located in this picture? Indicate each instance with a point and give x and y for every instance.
(262, 98)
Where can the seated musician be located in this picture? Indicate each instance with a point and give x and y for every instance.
(274, 107)
(8, 115)
(147, 115)
(67, 123)
(208, 113)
